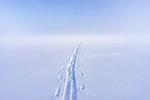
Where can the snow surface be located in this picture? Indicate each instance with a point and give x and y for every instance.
(112, 70)
(69, 87)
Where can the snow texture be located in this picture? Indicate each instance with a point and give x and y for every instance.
(69, 81)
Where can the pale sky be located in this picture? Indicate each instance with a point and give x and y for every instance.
(74, 17)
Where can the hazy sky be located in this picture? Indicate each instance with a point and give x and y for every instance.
(72, 17)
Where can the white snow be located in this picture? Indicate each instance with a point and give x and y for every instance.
(70, 90)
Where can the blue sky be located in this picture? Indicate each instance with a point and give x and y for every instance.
(74, 17)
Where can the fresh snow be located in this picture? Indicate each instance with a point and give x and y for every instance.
(67, 87)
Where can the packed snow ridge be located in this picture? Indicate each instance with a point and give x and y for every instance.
(67, 88)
